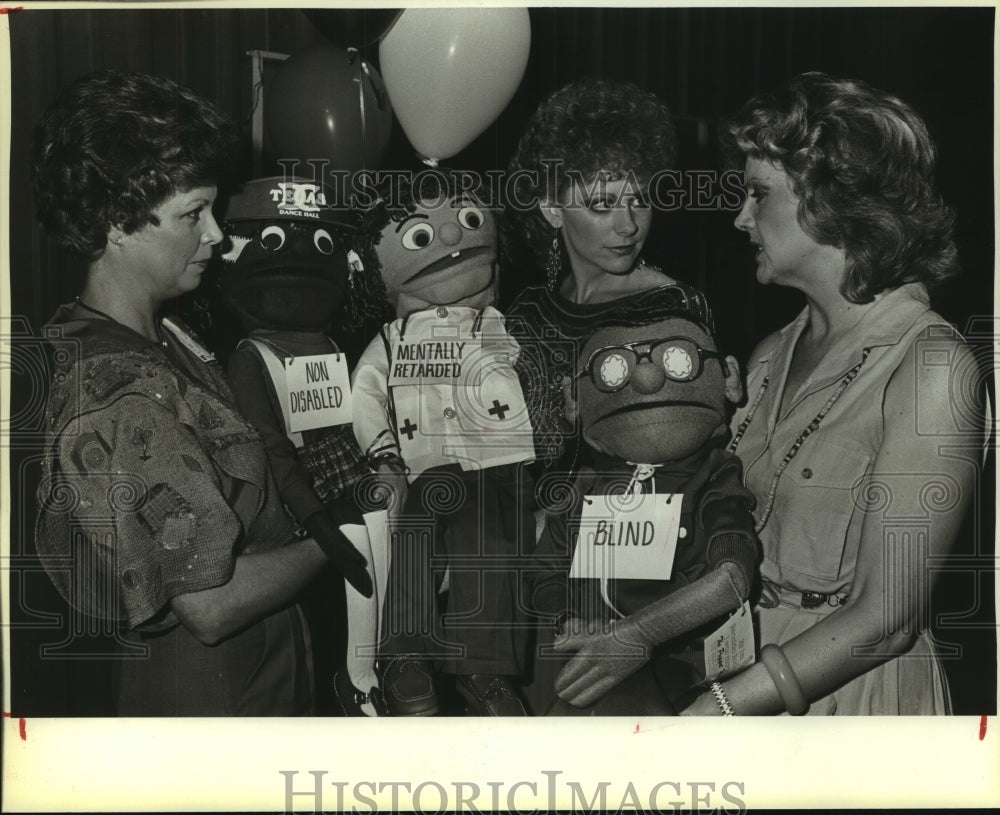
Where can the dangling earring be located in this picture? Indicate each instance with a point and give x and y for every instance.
(553, 266)
(355, 269)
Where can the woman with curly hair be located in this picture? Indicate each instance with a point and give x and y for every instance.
(579, 198)
(860, 437)
(159, 516)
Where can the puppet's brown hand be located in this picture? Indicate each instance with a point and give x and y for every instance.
(603, 659)
(394, 484)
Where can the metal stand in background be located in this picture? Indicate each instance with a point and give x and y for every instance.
(258, 58)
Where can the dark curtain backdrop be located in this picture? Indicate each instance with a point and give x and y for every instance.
(704, 63)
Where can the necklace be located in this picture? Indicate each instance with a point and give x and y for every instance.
(108, 317)
(811, 428)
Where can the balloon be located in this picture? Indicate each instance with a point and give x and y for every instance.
(451, 71)
(353, 28)
(327, 103)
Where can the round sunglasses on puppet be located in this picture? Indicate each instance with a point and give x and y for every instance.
(286, 255)
(654, 393)
(439, 252)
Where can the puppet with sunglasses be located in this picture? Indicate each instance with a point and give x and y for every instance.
(288, 276)
(658, 549)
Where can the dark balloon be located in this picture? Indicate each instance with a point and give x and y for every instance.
(353, 28)
(324, 103)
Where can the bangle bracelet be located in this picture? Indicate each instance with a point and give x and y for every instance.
(389, 458)
(721, 699)
(784, 679)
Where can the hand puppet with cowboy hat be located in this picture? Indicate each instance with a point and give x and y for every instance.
(290, 272)
(656, 547)
(439, 412)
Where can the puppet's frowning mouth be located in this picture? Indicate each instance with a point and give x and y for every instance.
(453, 259)
(634, 406)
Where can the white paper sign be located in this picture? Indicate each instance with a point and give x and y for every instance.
(731, 647)
(631, 537)
(433, 361)
(317, 392)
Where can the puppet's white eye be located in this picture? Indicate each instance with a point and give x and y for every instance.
(471, 217)
(614, 370)
(677, 362)
(323, 241)
(272, 238)
(418, 236)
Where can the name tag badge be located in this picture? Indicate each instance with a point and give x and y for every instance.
(317, 392)
(188, 341)
(627, 537)
(730, 649)
(433, 361)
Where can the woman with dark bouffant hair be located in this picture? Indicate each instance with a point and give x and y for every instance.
(589, 153)
(159, 515)
(860, 433)
(579, 198)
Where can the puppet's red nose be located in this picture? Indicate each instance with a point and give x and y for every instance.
(450, 234)
(647, 378)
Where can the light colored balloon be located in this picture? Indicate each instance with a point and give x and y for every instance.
(451, 71)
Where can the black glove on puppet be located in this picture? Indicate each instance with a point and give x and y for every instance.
(340, 551)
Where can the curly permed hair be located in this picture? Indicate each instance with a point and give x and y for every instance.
(114, 146)
(861, 163)
(591, 125)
